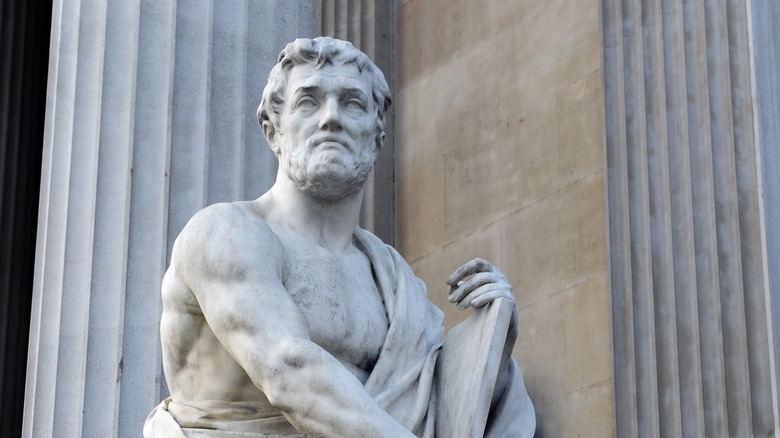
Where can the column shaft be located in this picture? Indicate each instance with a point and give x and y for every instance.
(368, 24)
(693, 352)
(150, 117)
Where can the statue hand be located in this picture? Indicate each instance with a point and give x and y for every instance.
(477, 283)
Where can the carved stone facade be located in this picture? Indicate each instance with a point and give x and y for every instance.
(691, 298)
(618, 159)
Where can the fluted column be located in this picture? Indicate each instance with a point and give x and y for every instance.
(368, 25)
(150, 117)
(765, 16)
(692, 338)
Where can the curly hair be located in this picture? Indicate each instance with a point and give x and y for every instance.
(320, 52)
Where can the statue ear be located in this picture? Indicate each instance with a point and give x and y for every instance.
(380, 142)
(269, 131)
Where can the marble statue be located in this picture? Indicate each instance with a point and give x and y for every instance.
(281, 317)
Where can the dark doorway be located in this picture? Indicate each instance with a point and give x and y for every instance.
(24, 57)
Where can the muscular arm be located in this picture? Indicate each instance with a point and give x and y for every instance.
(232, 262)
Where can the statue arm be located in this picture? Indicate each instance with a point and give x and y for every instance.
(232, 262)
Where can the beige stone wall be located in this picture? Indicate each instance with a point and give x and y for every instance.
(499, 154)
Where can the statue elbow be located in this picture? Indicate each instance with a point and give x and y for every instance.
(286, 373)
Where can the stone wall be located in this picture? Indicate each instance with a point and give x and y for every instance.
(499, 154)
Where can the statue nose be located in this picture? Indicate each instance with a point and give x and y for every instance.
(331, 117)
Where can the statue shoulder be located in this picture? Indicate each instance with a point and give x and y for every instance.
(372, 242)
(224, 238)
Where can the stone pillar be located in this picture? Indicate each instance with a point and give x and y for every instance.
(692, 337)
(368, 24)
(765, 15)
(150, 117)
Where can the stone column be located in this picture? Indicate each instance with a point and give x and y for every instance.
(368, 24)
(765, 16)
(692, 337)
(150, 117)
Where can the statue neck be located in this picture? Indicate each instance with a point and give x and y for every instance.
(330, 223)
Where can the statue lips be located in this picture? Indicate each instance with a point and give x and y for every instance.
(331, 142)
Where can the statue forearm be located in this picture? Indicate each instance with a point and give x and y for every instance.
(322, 398)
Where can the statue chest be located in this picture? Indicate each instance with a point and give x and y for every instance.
(340, 303)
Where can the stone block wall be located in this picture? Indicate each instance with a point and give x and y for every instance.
(499, 154)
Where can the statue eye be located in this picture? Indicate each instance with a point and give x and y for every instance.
(306, 102)
(355, 103)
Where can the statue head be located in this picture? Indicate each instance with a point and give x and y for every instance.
(319, 52)
(322, 113)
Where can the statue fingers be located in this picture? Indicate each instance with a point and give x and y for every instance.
(489, 291)
(492, 296)
(465, 287)
(470, 268)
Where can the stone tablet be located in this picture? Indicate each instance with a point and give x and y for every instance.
(473, 351)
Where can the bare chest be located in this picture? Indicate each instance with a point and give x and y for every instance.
(339, 301)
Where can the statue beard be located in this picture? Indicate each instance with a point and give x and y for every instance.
(330, 177)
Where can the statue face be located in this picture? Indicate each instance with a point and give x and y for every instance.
(327, 132)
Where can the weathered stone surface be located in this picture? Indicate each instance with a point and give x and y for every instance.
(586, 325)
(422, 206)
(550, 251)
(523, 158)
(580, 129)
(568, 30)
